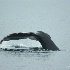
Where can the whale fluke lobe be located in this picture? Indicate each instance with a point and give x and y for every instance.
(40, 36)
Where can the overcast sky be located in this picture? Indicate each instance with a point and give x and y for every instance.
(50, 16)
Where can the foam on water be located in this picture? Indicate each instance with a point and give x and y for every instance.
(20, 44)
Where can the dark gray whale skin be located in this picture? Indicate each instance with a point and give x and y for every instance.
(40, 36)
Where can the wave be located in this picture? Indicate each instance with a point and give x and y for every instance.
(20, 48)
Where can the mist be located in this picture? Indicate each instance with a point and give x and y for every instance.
(50, 16)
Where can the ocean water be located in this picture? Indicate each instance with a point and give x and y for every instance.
(36, 60)
(50, 16)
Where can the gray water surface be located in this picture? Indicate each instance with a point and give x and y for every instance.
(37, 60)
(50, 16)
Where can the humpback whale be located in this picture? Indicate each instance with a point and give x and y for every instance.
(40, 36)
